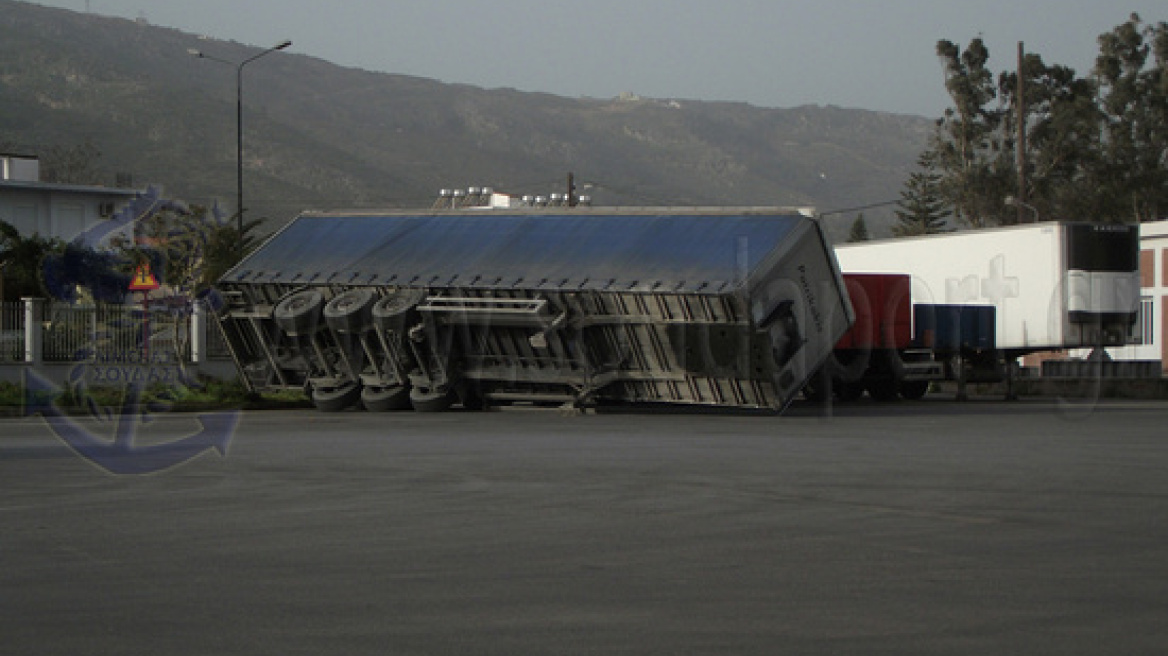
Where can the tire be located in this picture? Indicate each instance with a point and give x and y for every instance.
(350, 312)
(814, 393)
(849, 391)
(392, 310)
(431, 401)
(298, 314)
(336, 399)
(818, 388)
(914, 390)
(883, 390)
(386, 399)
(472, 399)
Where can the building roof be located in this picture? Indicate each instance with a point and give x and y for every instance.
(93, 190)
(1154, 229)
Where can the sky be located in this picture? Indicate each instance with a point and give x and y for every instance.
(866, 54)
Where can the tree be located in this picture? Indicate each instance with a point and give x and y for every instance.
(21, 260)
(1061, 124)
(1132, 73)
(104, 275)
(223, 250)
(859, 230)
(923, 210)
(966, 145)
(1095, 148)
(189, 248)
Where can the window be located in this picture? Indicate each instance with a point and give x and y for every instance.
(1145, 332)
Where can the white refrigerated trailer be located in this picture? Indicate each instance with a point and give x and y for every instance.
(1051, 285)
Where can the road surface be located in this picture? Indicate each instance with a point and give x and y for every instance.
(917, 528)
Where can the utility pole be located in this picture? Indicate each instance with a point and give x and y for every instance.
(1021, 146)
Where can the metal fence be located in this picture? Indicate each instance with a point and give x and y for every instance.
(114, 333)
(11, 331)
(105, 333)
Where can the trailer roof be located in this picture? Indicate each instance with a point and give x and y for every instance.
(671, 250)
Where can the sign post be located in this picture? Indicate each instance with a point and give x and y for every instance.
(145, 282)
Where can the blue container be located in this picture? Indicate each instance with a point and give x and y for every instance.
(951, 328)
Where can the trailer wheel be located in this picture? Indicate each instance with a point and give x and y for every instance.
(431, 401)
(298, 314)
(336, 399)
(392, 311)
(386, 399)
(350, 312)
(914, 390)
(472, 398)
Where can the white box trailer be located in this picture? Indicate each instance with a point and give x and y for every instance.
(1052, 285)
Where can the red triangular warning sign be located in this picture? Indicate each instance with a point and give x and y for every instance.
(143, 281)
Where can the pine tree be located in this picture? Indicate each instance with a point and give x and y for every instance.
(859, 230)
(923, 209)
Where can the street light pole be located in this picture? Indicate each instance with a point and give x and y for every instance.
(239, 128)
(1021, 205)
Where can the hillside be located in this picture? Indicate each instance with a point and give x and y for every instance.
(323, 136)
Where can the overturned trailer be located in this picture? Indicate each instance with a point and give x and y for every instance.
(422, 310)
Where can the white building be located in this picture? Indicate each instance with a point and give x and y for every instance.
(1150, 338)
(53, 210)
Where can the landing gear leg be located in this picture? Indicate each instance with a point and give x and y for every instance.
(1011, 374)
(959, 367)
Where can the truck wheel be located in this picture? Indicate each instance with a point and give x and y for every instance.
(883, 390)
(914, 390)
(818, 388)
(431, 401)
(849, 391)
(297, 315)
(350, 312)
(814, 392)
(386, 399)
(336, 399)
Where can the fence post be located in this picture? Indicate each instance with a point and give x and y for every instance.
(34, 332)
(198, 333)
(93, 334)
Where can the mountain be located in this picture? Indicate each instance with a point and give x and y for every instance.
(319, 135)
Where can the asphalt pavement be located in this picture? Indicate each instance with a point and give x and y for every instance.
(1036, 527)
